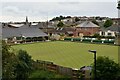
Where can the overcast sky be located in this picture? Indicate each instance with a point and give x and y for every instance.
(59, 0)
(13, 10)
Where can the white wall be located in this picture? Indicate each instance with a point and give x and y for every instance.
(106, 33)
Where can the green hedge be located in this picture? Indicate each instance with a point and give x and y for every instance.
(76, 39)
(67, 39)
(86, 40)
(97, 41)
(109, 42)
(19, 38)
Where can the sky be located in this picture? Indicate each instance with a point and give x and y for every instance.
(39, 10)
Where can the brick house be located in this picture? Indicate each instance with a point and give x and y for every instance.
(87, 28)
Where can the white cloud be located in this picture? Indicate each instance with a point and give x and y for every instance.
(21, 19)
(15, 11)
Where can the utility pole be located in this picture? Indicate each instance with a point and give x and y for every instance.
(118, 35)
(94, 51)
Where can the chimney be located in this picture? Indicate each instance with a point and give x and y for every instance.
(26, 22)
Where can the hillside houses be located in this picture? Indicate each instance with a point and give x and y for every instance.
(116, 21)
(26, 31)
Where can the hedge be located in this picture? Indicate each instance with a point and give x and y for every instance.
(110, 42)
(19, 38)
(86, 40)
(76, 39)
(97, 41)
(67, 39)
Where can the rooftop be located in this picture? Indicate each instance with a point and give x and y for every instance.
(22, 31)
(87, 24)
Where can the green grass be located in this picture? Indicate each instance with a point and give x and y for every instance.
(45, 75)
(69, 54)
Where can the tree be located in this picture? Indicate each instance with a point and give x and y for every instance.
(24, 66)
(24, 57)
(95, 22)
(108, 23)
(77, 19)
(60, 24)
(68, 17)
(61, 17)
(15, 66)
(9, 61)
(106, 69)
(96, 35)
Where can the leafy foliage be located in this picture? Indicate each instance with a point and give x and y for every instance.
(77, 19)
(9, 61)
(108, 23)
(24, 57)
(107, 69)
(60, 24)
(60, 18)
(15, 67)
(46, 75)
(96, 35)
(24, 66)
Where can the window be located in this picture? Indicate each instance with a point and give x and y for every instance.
(109, 34)
(103, 33)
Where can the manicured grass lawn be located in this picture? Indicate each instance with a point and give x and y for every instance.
(69, 54)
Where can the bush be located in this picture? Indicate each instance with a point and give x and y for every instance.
(106, 69)
(67, 39)
(24, 66)
(46, 75)
(86, 40)
(76, 39)
(97, 41)
(110, 42)
(108, 23)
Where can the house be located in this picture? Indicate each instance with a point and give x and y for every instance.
(110, 31)
(24, 33)
(87, 28)
(27, 32)
(113, 31)
(116, 21)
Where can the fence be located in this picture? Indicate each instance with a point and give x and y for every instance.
(90, 40)
(57, 69)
